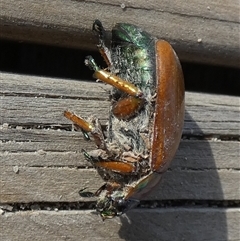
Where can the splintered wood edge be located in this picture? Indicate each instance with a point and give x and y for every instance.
(198, 31)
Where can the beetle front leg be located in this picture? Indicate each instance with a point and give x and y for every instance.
(104, 51)
(112, 79)
(126, 107)
(94, 129)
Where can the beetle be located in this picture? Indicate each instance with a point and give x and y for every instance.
(145, 119)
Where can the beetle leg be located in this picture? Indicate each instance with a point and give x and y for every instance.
(95, 130)
(123, 168)
(112, 79)
(116, 166)
(84, 193)
(127, 107)
(108, 186)
(104, 51)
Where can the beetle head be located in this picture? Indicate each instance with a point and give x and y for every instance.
(110, 207)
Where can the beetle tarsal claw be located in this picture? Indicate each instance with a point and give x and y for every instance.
(99, 29)
(84, 193)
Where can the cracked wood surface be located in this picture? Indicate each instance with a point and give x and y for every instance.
(200, 31)
(41, 162)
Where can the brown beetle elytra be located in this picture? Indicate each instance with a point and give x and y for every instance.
(146, 116)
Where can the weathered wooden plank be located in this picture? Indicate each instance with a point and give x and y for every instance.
(62, 184)
(36, 143)
(200, 170)
(49, 111)
(198, 224)
(33, 148)
(36, 86)
(200, 31)
(32, 100)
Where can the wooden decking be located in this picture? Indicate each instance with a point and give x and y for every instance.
(41, 164)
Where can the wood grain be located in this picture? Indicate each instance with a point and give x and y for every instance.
(36, 139)
(198, 224)
(200, 31)
(59, 184)
(41, 101)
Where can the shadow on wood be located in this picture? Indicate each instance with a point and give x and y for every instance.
(180, 222)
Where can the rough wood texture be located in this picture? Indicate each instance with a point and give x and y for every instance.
(41, 162)
(200, 31)
(198, 224)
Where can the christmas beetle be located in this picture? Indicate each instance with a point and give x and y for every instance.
(145, 119)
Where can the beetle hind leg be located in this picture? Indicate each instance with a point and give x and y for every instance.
(117, 166)
(99, 159)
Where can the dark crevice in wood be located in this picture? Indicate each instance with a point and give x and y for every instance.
(49, 206)
(69, 128)
(88, 205)
(191, 203)
(75, 167)
(38, 126)
(211, 137)
(51, 96)
(201, 169)
(60, 62)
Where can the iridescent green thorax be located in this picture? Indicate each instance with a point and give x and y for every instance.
(133, 55)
